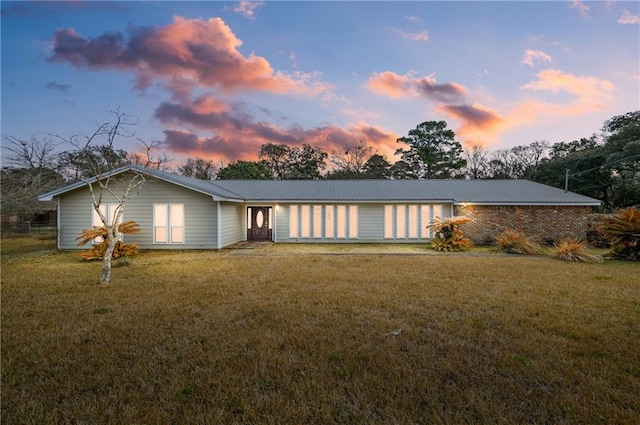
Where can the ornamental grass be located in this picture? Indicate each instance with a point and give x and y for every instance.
(569, 249)
(515, 242)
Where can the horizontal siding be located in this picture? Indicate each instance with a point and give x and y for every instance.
(199, 220)
(232, 223)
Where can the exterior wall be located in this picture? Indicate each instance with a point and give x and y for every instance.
(545, 222)
(232, 220)
(75, 212)
(370, 225)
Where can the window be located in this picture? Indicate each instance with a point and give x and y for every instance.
(426, 219)
(168, 223)
(328, 221)
(323, 221)
(305, 221)
(317, 221)
(409, 221)
(109, 211)
(353, 221)
(293, 221)
(413, 221)
(400, 222)
(388, 221)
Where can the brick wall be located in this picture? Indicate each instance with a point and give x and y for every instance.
(547, 223)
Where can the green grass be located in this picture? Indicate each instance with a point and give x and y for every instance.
(213, 337)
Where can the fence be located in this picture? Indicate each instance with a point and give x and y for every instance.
(29, 228)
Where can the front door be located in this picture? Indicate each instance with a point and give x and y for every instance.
(259, 226)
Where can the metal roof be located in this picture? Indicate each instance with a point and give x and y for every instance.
(479, 192)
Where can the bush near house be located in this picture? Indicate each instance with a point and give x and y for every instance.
(515, 242)
(97, 252)
(448, 236)
(623, 232)
(569, 249)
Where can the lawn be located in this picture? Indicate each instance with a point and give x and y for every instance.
(215, 337)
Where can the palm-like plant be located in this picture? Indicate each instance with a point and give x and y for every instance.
(97, 252)
(623, 232)
(448, 236)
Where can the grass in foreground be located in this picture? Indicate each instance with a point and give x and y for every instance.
(197, 337)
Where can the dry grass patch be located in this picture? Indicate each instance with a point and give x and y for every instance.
(197, 337)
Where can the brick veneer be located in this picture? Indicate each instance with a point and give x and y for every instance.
(547, 223)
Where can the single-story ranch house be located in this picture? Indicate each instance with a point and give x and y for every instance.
(177, 212)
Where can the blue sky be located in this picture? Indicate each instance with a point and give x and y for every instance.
(218, 79)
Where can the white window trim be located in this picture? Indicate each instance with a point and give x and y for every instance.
(168, 224)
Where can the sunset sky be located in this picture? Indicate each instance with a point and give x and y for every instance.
(219, 79)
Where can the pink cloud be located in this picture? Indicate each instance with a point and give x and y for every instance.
(414, 36)
(398, 86)
(589, 90)
(247, 8)
(237, 135)
(628, 18)
(191, 51)
(480, 125)
(531, 56)
(581, 7)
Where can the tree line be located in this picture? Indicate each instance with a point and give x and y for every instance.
(605, 166)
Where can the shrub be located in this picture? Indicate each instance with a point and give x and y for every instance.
(121, 249)
(569, 249)
(448, 236)
(514, 242)
(623, 232)
(595, 234)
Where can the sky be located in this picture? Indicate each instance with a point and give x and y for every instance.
(216, 80)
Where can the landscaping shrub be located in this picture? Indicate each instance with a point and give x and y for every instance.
(595, 234)
(121, 249)
(448, 236)
(514, 242)
(569, 249)
(623, 232)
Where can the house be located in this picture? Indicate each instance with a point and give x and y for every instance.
(177, 212)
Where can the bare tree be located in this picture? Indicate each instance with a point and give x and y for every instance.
(30, 153)
(31, 169)
(477, 165)
(101, 182)
(203, 169)
(149, 157)
(352, 159)
(517, 162)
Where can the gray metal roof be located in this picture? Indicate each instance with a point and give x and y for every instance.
(485, 192)
(201, 186)
(480, 192)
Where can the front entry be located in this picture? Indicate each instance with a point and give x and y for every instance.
(259, 225)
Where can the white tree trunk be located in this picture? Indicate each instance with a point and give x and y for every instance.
(112, 239)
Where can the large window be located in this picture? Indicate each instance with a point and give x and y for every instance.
(409, 221)
(323, 221)
(168, 223)
(109, 211)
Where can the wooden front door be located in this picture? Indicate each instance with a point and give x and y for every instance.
(259, 226)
